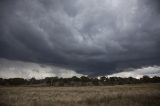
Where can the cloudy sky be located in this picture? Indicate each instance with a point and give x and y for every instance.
(79, 37)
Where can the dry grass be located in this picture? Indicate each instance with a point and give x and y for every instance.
(120, 95)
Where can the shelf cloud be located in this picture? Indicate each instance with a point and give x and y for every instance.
(138, 73)
(27, 70)
(91, 37)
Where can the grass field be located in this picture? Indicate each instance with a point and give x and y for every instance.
(119, 95)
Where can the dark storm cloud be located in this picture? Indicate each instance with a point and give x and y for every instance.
(92, 37)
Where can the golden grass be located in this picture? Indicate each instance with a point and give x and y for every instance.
(120, 95)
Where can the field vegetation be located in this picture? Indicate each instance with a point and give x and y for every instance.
(117, 95)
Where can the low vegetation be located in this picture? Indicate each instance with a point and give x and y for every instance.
(75, 81)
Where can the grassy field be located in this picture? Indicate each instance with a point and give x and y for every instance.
(119, 95)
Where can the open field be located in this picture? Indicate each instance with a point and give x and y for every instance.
(119, 95)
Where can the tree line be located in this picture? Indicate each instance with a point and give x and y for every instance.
(75, 81)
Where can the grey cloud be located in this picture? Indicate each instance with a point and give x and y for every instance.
(91, 37)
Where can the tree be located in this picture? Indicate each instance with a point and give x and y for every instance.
(76, 79)
(16, 81)
(51, 80)
(103, 78)
(156, 79)
(145, 79)
(2, 81)
(84, 79)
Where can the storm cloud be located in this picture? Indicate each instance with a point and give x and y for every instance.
(92, 37)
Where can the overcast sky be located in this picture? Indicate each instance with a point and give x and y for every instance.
(89, 37)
